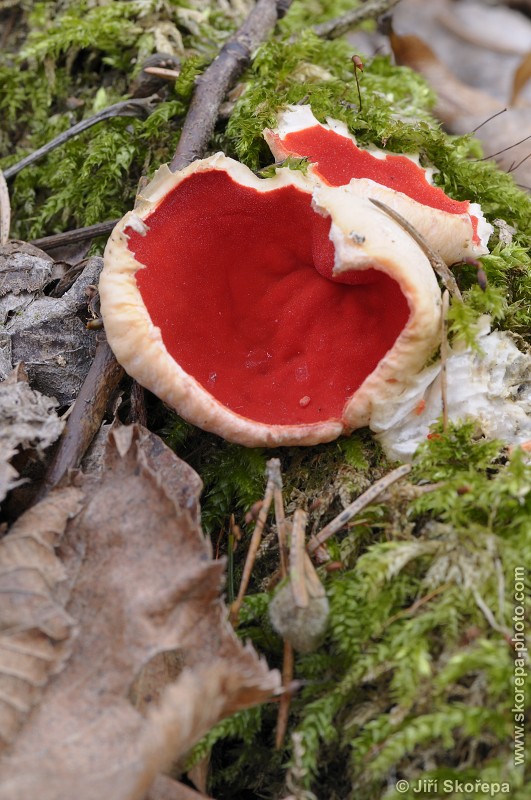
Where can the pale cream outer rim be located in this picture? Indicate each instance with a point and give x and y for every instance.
(138, 345)
(450, 235)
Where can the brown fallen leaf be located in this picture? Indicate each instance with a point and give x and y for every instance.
(454, 98)
(35, 630)
(476, 58)
(47, 333)
(164, 788)
(142, 582)
(28, 421)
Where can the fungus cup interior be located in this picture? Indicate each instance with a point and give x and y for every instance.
(240, 283)
(338, 160)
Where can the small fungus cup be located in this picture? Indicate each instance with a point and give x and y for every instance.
(276, 311)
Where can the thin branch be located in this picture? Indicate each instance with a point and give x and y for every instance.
(340, 25)
(358, 505)
(77, 235)
(434, 258)
(84, 422)
(214, 83)
(504, 150)
(492, 116)
(129, 108)
(254, 545)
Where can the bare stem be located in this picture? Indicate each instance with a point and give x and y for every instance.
(438, 265)
(358, 505)
(285, 699)
(340, 25)
(253, 548)
(444, 358)
(129, 108)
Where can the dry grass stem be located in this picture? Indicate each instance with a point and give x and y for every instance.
(285, 699)
(5, 210)
(273, 466)
(444, 358)
(297, 568)
(253, 550)
(161, 72)
(358, 505)
(438, 265)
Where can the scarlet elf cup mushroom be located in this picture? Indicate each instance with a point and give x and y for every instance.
(277, 311)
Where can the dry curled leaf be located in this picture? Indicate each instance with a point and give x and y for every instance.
(35, 630)
(27, 420)
(50, 337)
(143, 582)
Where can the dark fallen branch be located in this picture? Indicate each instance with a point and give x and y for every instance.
(340, 25)
(84, 422)
(77, 235)
(129, 108)
(213, 85)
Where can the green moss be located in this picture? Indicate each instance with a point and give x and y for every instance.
(414, 675)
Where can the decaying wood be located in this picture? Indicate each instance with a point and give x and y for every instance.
(218, 78)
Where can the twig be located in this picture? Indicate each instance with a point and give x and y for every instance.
(340, 25)
(218, 78)
(358, 505)
(280, 517)
(435, 260)
(505, 149)
(162, 72)
(254, 545)
(77, 235)
(5, 210)
(285, 698)
(444, 358)
(492, 116)
(84, 422)
(129, 108)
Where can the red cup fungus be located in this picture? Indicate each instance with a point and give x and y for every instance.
(271, 311)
